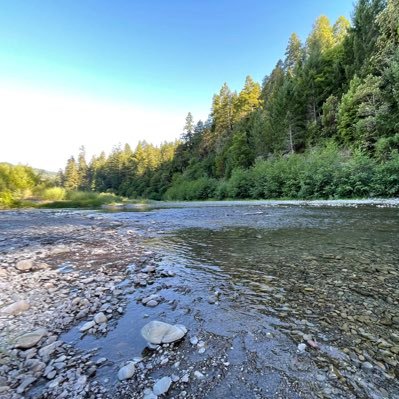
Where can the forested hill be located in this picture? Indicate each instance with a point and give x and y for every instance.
(323, 124)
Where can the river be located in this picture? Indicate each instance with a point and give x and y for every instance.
(254, 281)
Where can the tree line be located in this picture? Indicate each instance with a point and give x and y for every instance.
(323, 124)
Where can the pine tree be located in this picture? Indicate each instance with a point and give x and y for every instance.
(293, 54)
(340, 29)
(82, 170)
(322, 36)
(248, 99)
(72, 178)
(188, 129)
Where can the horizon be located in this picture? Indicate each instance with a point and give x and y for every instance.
(133, 72)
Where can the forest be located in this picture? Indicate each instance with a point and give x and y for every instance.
(323, 124)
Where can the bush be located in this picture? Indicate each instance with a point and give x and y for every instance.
(386, 179)
(53, 194)
(83, 199)
(6, 199)
(240, 183)
(189, 190)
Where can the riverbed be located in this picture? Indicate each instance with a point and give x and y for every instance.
(281, 300)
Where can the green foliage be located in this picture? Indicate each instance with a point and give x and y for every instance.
(16, 183)
(53, 194)
(188, 190)
(83, 199)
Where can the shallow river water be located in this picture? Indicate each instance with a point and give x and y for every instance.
(280, 275)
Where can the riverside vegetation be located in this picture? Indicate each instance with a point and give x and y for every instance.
(323, 124)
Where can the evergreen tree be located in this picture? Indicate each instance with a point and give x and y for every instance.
(188, 129)
(293, 54)
(322, 36)
(72, 178)
(248, 99)
(83, 170)
(340, 29)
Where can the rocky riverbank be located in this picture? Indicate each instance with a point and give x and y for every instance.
(69, 270)
(64, 270)
(82, 297)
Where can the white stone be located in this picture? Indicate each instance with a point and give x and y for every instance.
(301, 348)
(16, 308)
(126, 372)
(24, 265)
(87, 326)
(199, 375)
(162, 386)
(100, 318)
(158, 332)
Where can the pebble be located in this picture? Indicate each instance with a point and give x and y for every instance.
(126, 372)
(87, 326)
(198, 375)
(16, 308)
(29, 340)
(100, 318)
(25, 383)
(367, 366)
(24, 265)
(301, 348)
(162, 386)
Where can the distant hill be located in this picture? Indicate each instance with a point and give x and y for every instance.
(45, 173)
(42, 172)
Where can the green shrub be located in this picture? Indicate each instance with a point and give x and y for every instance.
(53, 194)
(189, 190)
(386, 179)
(6, 199)
(240, 183)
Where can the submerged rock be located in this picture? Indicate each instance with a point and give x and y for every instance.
(16, 308)
(126, 372)
(162, 386)
(158, 332)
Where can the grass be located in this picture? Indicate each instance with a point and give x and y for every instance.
(82, 199)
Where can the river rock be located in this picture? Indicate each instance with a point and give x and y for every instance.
(47, 350)
(301, 348)
(162, 386)
(29, 340)
(199, 375)
(87, 326)
(35, 365)
(126, 372)
(158, 332)
(24, 265)
(16, 308)
(150, 395)
(100, 318)
(25, 383)
(152, 303)
(153, 297)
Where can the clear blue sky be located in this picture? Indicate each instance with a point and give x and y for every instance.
(171, 54)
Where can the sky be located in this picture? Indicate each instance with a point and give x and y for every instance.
(101, 73)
